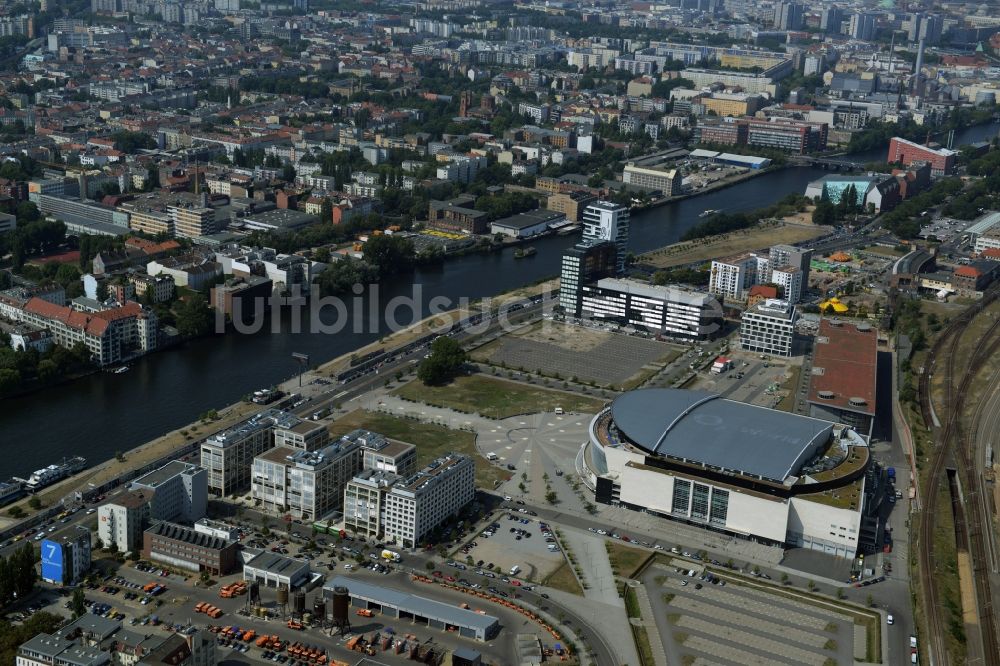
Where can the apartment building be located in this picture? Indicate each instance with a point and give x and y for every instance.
(191, 221)
(942, 160)
(159, 287)
(364, 501)
(178, 492)
(733, 276)
(228, 456)
(305, 484)
(790, 255)
(789, 279)
(769, 328)
(417, 505)
(112, 336)
(293, 432)
(185, 548)
(667, 181)
(121, 520)
(607, 221)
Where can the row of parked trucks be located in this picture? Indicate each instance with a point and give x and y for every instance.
(208, 609)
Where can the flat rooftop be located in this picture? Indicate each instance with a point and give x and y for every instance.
(412, 603)
(276, 564)
(703, 428)
(165, 473)
(845, 357)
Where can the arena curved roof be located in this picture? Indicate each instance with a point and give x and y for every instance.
(704, 428)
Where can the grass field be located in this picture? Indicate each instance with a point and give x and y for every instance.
(431, 440)
(495, 398)
(707, 249)
(564, 579)
(624, 559)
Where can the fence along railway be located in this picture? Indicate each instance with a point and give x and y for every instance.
(954, 447)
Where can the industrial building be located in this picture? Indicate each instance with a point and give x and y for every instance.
(908, 153)
(274, 570)
(756, 473)
(527, 224)
(665, 181)
(843, 380)
(769, 328)
(186, 548)
(395, 604)
(667, 310)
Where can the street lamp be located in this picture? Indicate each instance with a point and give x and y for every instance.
(303, 361)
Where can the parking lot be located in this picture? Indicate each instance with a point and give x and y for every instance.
(517, 540)
(704, 618)
(589, 353)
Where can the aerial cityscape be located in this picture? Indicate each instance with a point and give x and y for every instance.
(479, 332)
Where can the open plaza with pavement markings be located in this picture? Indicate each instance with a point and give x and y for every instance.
(590, 354)
(736, 624)
(505, 550)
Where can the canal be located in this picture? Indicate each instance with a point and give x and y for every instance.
(105, 413)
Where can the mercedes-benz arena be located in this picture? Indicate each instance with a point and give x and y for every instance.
(758, 473)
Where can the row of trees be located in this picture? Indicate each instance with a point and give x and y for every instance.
(25, 369)
(721, 223)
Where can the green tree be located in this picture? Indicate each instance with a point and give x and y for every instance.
(444, 363)
(76, 603)
(194, 317)
(389, 255)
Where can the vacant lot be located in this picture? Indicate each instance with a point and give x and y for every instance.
(495, 398)
(624, 559)
(431, 441)
(588, 354)
(706, 249)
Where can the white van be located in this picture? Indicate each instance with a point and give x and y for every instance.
(513, 570)
(492, 456)
(559, 410)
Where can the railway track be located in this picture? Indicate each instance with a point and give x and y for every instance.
(953, 445)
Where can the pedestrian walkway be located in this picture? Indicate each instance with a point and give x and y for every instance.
(649, 622)
(589, 549)
(611, 620)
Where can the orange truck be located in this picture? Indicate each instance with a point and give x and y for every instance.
(213, 612)
(294, 624)
(200, 607)
(364, 612)
(148, 586)
(249, 635)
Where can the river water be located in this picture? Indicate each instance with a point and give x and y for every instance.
(104, 413)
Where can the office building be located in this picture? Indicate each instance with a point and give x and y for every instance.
(863, 26)
(746, 471)
(667, 182)
(768, 328)
(305, 484)
(364, 502)
(669, 310)
(381, 454)
(585, 262)
(228, 456)
(788, 16)
(830, 19)
(65, 555)
(296, 433)
(607, 221)
(178, 492)
(122, 519)
(842, 383)
(418, 504)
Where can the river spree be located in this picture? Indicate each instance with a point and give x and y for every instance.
(105, 413)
